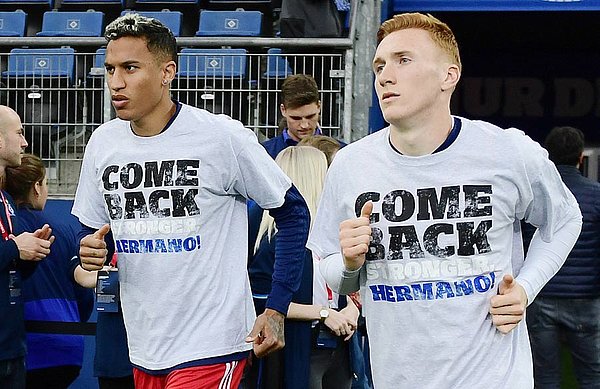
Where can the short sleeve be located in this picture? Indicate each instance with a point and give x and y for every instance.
(258, 177)
(89, 204)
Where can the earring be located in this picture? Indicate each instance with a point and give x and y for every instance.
(165, 82)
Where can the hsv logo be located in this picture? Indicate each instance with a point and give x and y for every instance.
(231, 24)
(73, 24)
(213, 63)
(41, 63)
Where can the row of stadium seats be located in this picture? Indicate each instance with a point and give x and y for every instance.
(91, 23)
(213, 63)
(52, 4)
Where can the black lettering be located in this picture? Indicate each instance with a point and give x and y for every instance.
(154, 203)
(473, 200)
(113, 204)
(449, 199)
(404, 238)
(156, 178)
(430, 240)
(106, 177)
(388, 206)
(131, 175)
(468, 238)
(362, 199)
(182, 203)
(376, 249)
(135, 202)
(187, 168)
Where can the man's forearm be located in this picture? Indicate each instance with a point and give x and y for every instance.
(544, 259)
(336, 275)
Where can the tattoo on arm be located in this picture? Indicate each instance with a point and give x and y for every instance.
(276, 324)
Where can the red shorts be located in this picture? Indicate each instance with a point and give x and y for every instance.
(220, 376)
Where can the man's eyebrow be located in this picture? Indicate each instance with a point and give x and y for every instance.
(396, 54)
(124, 63)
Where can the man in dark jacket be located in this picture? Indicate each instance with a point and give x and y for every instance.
(18, 255)
(570, 303)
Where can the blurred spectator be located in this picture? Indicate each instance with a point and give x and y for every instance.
(111, 361)
(18, 255)
(53, 360)
(301, 110)
(309, 19)
(569, 304)
(326, 144)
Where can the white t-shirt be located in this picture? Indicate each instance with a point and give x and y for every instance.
(443, 236)
(176, 203)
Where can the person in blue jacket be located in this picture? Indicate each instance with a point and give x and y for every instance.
(301, 109)
(570, 301)
(111, 360)
(53, 360)
(18, 255)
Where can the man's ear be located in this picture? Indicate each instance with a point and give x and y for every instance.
(282, 109)
(580, 161)
(169, 71)
(452, 77)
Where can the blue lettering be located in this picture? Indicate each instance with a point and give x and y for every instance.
(146, 246)
(378, 292)
(463, 288)
(403, 293)
(125, 245)
(389, 296)
(423, 291)
(119, 246)
(134, 246)
(482, 287)
(189, 244)
(174, 245)
(160, 246)
(493, 275)
(443, 290)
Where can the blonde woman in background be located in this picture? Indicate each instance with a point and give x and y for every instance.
(318, 326)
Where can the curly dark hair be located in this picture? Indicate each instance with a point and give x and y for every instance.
(159, 39)
(565, 145)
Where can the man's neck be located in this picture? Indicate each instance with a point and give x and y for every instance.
(154, 123)
(420, 139)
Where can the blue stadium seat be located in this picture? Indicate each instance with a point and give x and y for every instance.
(13, 23)
(216, 63)
(230, 23)
(98, 66)
(171, 19)
(95, 87)
(277, 65)
(39, 87)
(213, 79)
(60, 23)
(237, 3)
(56, 63)
(47, 4)
(168, 2)
(92, 3)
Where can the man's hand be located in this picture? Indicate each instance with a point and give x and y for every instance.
(92, 249)
(34, 246)
(355, 236)
(267, 333)
(508, 307)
